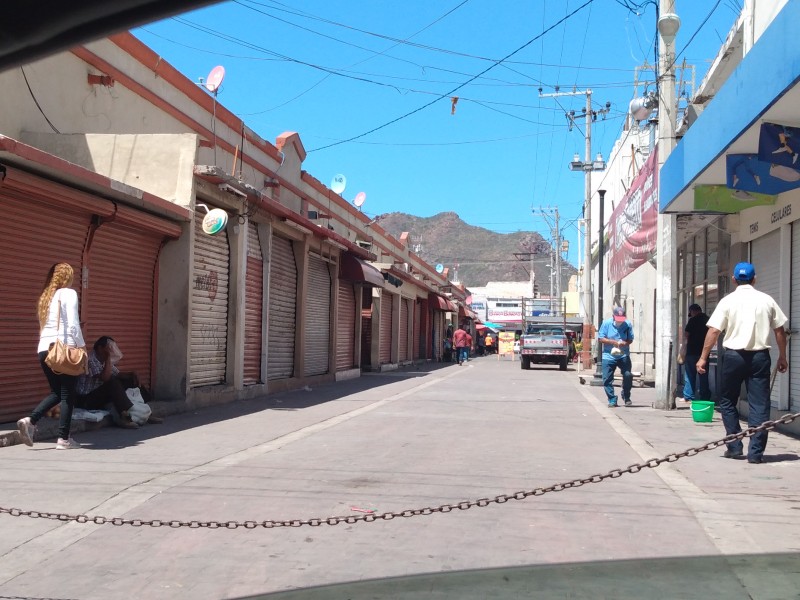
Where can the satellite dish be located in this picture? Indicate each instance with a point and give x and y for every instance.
(360, 198)
(214, 79)
(215, 221)
(338, 183)
(440, 268)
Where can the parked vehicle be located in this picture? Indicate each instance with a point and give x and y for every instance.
(544, 344)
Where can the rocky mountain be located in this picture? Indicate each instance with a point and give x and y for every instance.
(481, 255)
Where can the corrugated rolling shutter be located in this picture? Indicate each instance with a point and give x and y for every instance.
(794, 323)
(346, 327)
(386, 308)
(118, 300)
(418, 343)
(404, 312)
(41, 236)
(253, 303)
(282, 309)
(763, 253)
(209, 331)
(318, 317)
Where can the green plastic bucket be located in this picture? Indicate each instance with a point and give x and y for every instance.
(702, 411)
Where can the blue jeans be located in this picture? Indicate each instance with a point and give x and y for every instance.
(752, 368)
(62, 391)
(691, 377)
(462, 354)
(609, 366)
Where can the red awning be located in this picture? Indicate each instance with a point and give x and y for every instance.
(440, 303)
(464, 312)
(354, 269)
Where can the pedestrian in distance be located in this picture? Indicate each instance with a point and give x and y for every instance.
(460, 343)
(59, 318)
(695, 384)
(746, 315)
(469, 345)
(616, 335)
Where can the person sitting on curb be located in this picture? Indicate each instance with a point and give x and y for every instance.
(105, 385)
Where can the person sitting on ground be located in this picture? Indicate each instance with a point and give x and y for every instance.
(105, 385)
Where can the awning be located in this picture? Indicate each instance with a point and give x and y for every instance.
(464, 312)
(763, 88)
(440, 303)
(354, 269)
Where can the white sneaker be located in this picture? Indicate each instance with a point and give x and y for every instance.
(26, 430)
(69, 444)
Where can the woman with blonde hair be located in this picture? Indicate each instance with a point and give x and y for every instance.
(58, 319)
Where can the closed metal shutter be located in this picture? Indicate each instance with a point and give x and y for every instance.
(253, 303)
(209, 331)
(119, 297)
(403, 329)
(41, 236)
(794, 323)
(282, 309)
(418, 341)
(386, 308)
(318, 317)
(763, 254)
(346, 327)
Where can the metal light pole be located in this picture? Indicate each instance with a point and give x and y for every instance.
(598, 372)
(667, 265)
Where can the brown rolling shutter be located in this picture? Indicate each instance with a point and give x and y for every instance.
(42, 235)
(282, 309)
(386, 309)
(209, 331)
(253, 303)
(403, 329)
(318, 317)
(419, 343)
(118, 299)
(346, 327)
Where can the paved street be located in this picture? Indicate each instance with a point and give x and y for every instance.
(388, 442)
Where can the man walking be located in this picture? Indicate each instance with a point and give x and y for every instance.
(746, 316)
(616, 335)
(460, 343)
(695, 335)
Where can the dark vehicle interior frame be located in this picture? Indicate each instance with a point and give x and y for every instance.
(32, 30)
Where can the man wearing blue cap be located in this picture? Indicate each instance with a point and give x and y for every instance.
(746, 316)
(616, 335)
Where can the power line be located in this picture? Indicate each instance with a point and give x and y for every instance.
(451, 92)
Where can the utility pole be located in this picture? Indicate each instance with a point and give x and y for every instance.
(551, 216)
(587, 166)
(667, 266)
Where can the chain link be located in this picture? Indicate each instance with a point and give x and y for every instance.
(413, 512)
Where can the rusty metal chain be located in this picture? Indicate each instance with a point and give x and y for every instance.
(415, 512)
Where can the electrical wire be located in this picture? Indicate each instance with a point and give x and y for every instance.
(451, 92)
(36, 102)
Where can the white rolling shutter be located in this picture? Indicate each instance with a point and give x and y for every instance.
(253, 318)
(282, 309)
(318, 317)
(209, 329)
(763, 254)
(794, 323)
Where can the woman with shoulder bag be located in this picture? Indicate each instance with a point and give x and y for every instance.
(60, 330)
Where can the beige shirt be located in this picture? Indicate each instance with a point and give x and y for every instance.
(747, 317)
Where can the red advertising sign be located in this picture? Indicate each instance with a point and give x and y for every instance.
(634, 224)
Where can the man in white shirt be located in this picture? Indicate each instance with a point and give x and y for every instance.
(746, 316)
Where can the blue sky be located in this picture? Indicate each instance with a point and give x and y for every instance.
(333, 71)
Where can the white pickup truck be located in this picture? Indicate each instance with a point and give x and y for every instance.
(544, 344)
